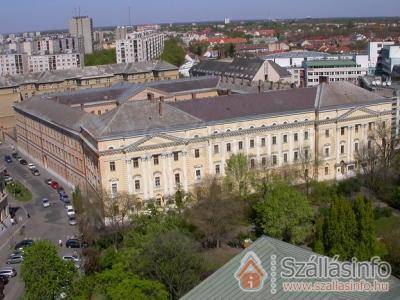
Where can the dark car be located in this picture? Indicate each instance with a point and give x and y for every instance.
(60, 190)
(35, 172)
(48, 181)
(15, 154)
(22, 244)
(7, 159)
(75, 243)
(62, 193)
(23, 162)
(5, 173)
(3, 279)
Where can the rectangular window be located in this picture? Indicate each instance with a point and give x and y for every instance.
(369, 144)
(157, 181)
(326, 170)
(285, 157)
(274, 160)
(357, 127)
(341, 149)
(177, 179)
(274, 140)
(228, 147)
(216, 149)
(240, 145)
(217, 169)
(327, 133)
(262, 142)
(112, 166)
(114, 189)
(285, 138)
(327, 152)
(136, 162)
(370, 125)
(306, 153)
(176, 156)
(295, 156)
(263, 161)
(356, 146)
(252, 163)
(198, 175)
(196, 153)
(137, 184)
(251, 143)
(342, 130)
(295, 137)
(156, 160)
(305, 135)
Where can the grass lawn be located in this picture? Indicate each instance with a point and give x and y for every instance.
(17, 190)
(386, 224)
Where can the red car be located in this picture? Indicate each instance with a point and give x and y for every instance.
(54, 184)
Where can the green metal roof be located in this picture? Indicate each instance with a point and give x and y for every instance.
(223, 285)
(330, 63)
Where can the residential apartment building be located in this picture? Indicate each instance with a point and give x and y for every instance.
(140, 46)
(50, 62)
(150, 148)
(20, 87)
(82, 27)
(317, 71)
(12, 64)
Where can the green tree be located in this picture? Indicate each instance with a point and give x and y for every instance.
(284, 213)
(44, 273)
(102, 57)
(173, 52)
(238, 175)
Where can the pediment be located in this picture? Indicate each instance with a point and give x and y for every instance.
(155, 140)
(358, 112)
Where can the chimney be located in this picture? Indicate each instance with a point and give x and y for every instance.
(160, 104)
(82, 106)
(150, 96)
(259, 86)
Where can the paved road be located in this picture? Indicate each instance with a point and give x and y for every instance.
(44, 223)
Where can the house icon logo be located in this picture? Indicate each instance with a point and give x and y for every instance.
(250, 274)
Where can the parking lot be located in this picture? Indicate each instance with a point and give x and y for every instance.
(40, 222)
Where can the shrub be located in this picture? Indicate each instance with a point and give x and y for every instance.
(382, 212)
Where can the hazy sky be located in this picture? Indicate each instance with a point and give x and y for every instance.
(25, 15)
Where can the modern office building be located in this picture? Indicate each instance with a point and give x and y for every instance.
(151, 147)
(374, 50)
(83, 27)
(388, 59)
(140, 46)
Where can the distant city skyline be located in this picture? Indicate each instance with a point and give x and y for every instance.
(41, 15)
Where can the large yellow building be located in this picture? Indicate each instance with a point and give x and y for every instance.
(149, 147)
(20, 87)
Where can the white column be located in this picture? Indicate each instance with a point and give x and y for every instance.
(210, 153)
(144, 175)
(246, 145)
(350, 143)
(279, 155)
(165, 176)
(150, 183)
(337, 144)
(184, 169)
(223, 157)
(129, 178)
(170, 176)
(258, 146)
(269, 145)
(290, 142)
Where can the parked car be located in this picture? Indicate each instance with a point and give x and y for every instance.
(8, 272)
(15, 259)
(5, 173)
(35, 172)
(62, 194)
(71, 258)
(45, 202)
(66, 201)
(15, 154)
(22, 244)
(48, 181)
(18, 157)
(7, 159)
(75, 243)
(70, 211)
(60, 190)
(31, 166)
(3, 279)
(72, 220)
(54, 184)
(8, 179)
(23, 162)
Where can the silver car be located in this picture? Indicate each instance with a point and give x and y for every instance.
(15, 259)
(45, 202)
(8, 272)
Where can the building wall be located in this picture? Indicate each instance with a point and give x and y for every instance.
(83, 27)
(334, 74)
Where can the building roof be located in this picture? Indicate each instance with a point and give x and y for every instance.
(240, 67)
(282, 72)
(223, 285)
(239, 106)
(87, 73)
(326, 63)
(295, 54)
(123, 90)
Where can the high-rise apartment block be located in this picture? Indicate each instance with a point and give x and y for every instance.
(83, 27)
(140, 46)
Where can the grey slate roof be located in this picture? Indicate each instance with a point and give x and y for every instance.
(223, 285)
(238, 106)
(87, 72)
(245, 68)
(344, 93)
(282, 72)
(187, 84)
(295, 54)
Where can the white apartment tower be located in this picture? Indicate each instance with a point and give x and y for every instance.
(83, 27)
(140, 46)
